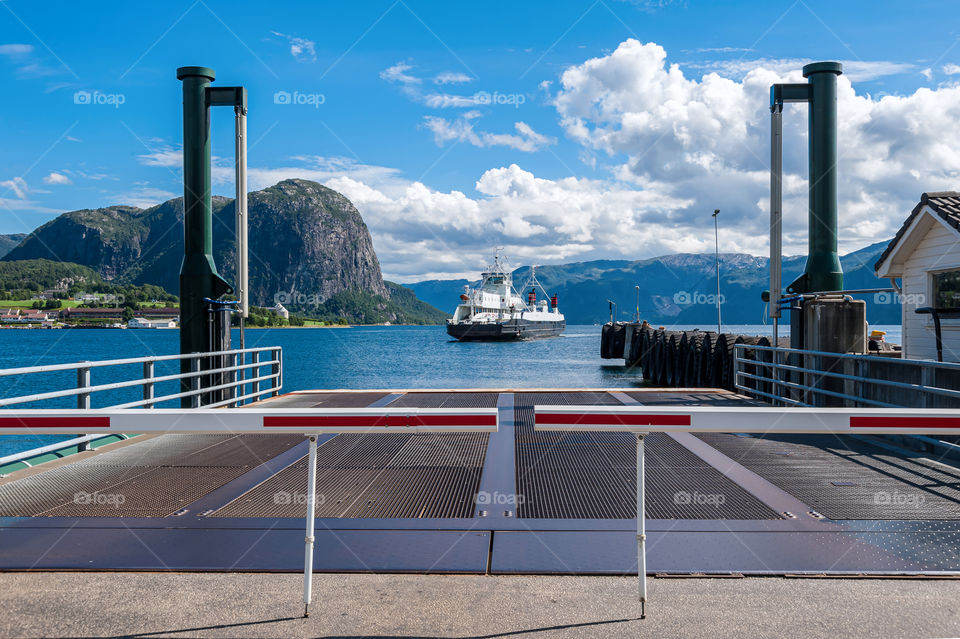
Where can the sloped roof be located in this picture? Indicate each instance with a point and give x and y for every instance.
(946, 204)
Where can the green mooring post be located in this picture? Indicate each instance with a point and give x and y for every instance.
(199, 279)
(823, 271)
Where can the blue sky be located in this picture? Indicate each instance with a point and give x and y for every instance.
(564, 131)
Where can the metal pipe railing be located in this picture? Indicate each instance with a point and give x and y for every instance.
(807, 378)
(242, 374)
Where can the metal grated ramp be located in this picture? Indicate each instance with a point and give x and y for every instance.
(331, 399)
(692, 397)
(154, 478)
(378, 475)
(446, 400)
(847, 478)
(593, 475)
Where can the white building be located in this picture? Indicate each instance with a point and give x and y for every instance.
(281, 311)
(140, 322)
(925, 257)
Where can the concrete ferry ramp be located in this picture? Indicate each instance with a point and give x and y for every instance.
(516, 501)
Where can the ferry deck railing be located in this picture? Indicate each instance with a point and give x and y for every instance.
(239, 381)
(794, 377)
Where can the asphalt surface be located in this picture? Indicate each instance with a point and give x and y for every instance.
(269, 605)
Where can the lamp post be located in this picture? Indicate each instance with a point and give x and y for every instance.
(716, 239)
(638, 303)
(613, 310)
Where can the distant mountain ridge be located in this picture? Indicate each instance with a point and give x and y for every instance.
(675, 289)
(308, 247)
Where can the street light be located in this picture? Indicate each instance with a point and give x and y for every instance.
(638, 303)
(716, 238)
(613, 306)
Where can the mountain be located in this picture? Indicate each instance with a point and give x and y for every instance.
(675, 289)
(8, 242)
(308, 245)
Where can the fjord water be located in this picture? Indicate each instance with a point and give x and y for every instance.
(375, 357)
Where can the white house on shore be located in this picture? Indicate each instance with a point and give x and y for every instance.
(140, 322)
(925, 257)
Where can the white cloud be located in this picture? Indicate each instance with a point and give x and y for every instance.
(56, 178)
(855, 70)
(461, 129)
(14, 50)
(164, 156)
(144, 196)
(951, 69)
(707, 142)
(451, 77)
(398, 73)
(18, 185)
(301, 49)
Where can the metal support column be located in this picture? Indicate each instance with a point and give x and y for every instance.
(776, 214)
(308, 540)
(641, 529)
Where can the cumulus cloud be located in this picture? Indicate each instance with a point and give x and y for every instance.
(951, 69)
(301, 49)
(706, 141)
(670, 149)
(56, 178)
(462, 130)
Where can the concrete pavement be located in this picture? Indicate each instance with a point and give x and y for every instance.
(63, 604)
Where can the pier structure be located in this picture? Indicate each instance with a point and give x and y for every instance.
(520, 500)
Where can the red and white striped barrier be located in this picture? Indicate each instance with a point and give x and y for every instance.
(311, 421)
(750, 419)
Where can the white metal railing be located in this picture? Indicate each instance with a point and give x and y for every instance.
(215, 379)
(794, 377)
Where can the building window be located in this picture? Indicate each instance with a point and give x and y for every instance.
(946, 289)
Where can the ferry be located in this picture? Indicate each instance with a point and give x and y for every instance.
(494, 311)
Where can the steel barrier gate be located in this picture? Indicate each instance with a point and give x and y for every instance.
(641, 420)
(236, 421)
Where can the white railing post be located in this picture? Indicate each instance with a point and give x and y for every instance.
(236, 379)
(641, 528)
(148, 392)
(309, 538)
(83, 399)
(255, 390)
(195, 381)
(926, 379)
(277, 370)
